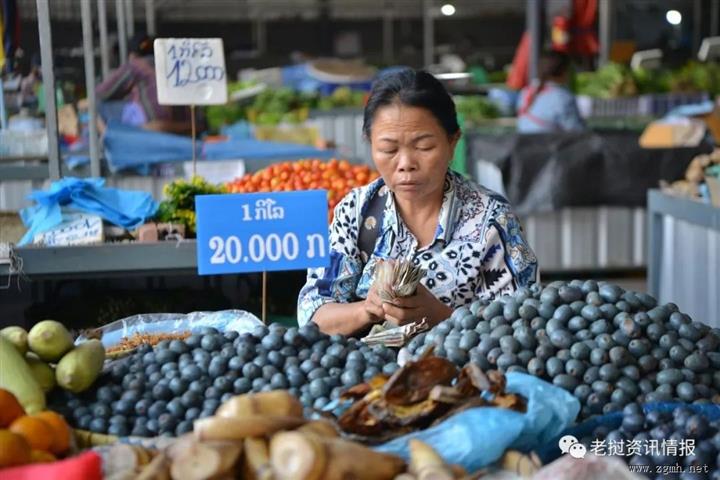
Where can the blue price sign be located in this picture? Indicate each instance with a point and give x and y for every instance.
(257, 232)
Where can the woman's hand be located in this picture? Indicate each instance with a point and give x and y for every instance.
(414, 308)
(372, 308)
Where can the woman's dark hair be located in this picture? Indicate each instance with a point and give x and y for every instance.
(141, 44)
(553, 65)
(415, 88)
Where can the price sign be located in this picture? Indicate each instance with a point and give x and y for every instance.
(190, 71)
(257, 232)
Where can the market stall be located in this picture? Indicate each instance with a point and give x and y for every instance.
(540, 380)
(225, 377)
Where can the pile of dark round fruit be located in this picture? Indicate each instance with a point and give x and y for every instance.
(688, 443)
(162, 390)
(608, 346)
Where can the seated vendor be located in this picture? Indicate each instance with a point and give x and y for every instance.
(547, 105)
(464, 236)
(134, 84)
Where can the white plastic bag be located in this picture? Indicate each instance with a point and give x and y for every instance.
(224, 320)
(591, 467)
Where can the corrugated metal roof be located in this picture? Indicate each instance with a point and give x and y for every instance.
(204, 10)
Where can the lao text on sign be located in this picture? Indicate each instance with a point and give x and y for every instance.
(190, 71)
(257, 232)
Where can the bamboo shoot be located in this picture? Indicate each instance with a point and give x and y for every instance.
(232, 428)
(321, 428)
(426, 464)
(157, 469)
(297, 456)
(257, 459)
(277, 402)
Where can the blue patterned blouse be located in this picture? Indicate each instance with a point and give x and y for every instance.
(478, 250)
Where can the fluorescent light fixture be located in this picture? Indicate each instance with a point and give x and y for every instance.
(453, 76)
(447, 9)
(673, 17)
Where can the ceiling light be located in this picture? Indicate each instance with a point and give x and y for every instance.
(447, 9)
(673, 17)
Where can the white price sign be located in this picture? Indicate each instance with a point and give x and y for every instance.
(190, 71)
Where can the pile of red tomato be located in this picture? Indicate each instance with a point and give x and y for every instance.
(338, 177)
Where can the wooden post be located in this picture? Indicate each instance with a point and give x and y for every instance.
(193, 133)
(264, 298)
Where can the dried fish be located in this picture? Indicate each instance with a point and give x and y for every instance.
(421, 393)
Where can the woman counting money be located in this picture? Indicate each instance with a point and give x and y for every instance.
(464, 237)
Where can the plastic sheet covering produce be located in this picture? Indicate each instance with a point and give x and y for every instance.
(478, 437)
(548, 172)
(153, 323)
(124, 208)
(257, 149)
(128, 147)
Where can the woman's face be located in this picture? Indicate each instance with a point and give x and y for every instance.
(411, 150)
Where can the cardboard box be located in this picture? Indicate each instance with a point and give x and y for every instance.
(683, 132)
(712, 121)
(714, 188)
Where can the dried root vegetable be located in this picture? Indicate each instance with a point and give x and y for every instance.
(521, 464)
(233, 429)
(157, 469)
(277, 402)
(257, 460)
(205, 460)
(298, 456)
(426, 464)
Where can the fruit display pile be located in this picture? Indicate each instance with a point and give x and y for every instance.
(338, 177)
(608, 346)
(30, 438)
(34, 363)
(616, 80)
(162, 390)
(688, 442)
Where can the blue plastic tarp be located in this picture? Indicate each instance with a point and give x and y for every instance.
(134, 148)
(478, 437)
(300, 77)
(249, 149)
(128, 209)
(128, 147)
(691, 110)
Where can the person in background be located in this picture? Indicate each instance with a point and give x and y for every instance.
(30, 85)
(134, 84)
(548, 105)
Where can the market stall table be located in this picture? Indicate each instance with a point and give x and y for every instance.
(684, 243)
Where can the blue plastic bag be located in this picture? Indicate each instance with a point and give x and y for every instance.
(479, 437)
(128, 209)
